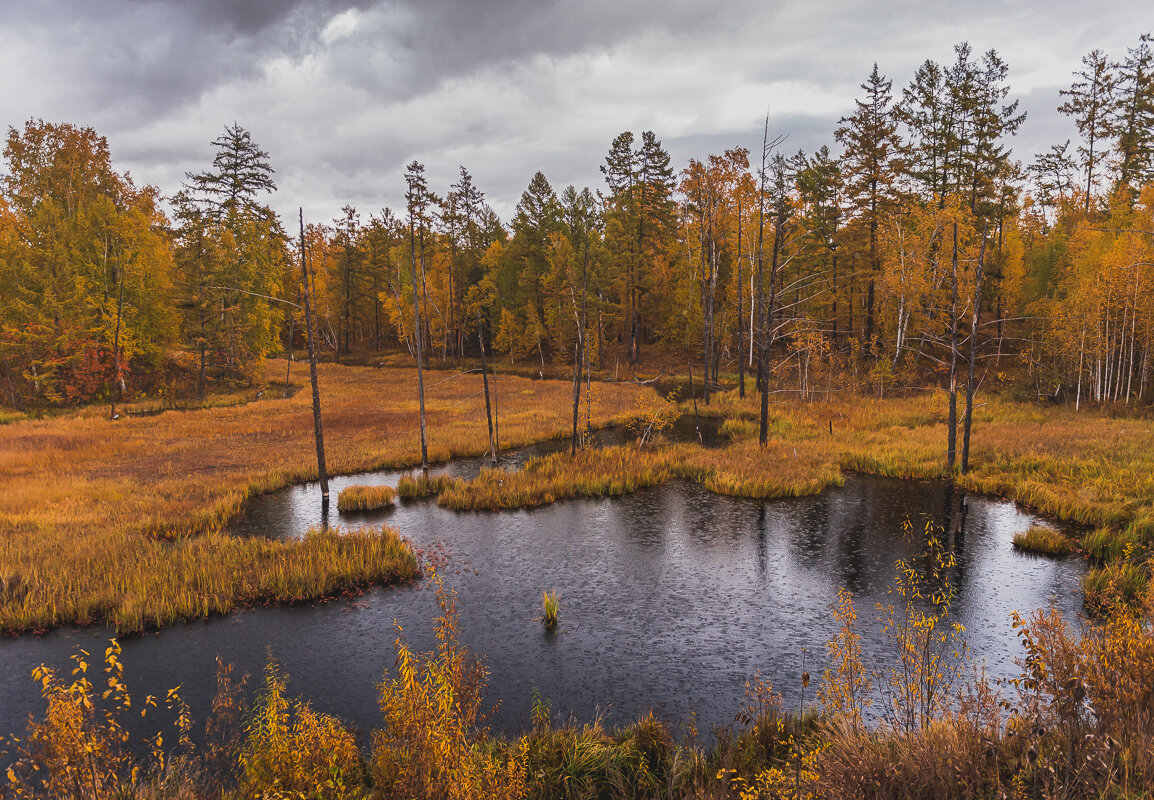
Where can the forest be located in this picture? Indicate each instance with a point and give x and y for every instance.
(913, 237)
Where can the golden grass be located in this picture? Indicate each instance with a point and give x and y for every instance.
(550, 609)
(413, 486)
(1088, 468)
(123, 522)
(1044, 541)
(366, 498)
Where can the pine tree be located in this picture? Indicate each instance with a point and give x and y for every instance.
(1133, 120)
(231, 251)
(871, 165)
(348, 235)
(241, 172)
(640, 216)
(1090, 103)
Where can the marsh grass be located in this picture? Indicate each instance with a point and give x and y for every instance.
(1043, 541)
(125, 521)
(414, 487)
(550, 609)
(366, 498)
(1118, 586)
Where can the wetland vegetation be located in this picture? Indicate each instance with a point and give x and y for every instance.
(917, 307)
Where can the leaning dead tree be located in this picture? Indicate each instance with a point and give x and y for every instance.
(485, 381)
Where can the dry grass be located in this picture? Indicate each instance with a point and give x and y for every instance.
(366, 498)
(593, 473)
(124, 521)
(1089, 468)
(414, 487)
(1043, 541)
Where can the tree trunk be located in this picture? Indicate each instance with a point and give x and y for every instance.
(485, 381)
(310, 325)
(288, 355)
(693, 396)
(116, 380)
(740, 314)
(952, 434)
(968, 424)
(579, 358)
(417, 338)
(762, 334)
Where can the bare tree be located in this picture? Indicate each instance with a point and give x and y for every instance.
(417, 198)
(969, 418)
(310, 326)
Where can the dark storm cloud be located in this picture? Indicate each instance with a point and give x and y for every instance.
(344, 93)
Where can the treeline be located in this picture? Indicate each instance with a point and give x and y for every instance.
(913, 238)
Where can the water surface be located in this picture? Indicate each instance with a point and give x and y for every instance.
(672, 598)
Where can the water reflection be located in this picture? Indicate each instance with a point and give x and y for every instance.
(672, 598)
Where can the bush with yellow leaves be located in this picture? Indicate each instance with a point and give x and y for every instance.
(82, 749)
(293, 751)
(432, 742)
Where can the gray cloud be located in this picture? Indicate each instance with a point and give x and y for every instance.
(344, 93)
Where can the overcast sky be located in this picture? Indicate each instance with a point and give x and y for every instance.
(344, 93)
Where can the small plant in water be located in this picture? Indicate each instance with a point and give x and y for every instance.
(551, 609)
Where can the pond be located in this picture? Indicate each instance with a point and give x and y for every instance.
(672, 598)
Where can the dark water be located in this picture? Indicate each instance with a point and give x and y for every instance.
(671, 599)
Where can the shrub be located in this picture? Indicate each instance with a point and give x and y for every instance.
(432, 742)
(292, 750)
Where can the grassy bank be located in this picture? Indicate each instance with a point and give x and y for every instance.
(124, 521)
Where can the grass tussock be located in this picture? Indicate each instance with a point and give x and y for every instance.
(124, 521)
(366, 498)
(550, 609)
(1043, 541)
(415, 487)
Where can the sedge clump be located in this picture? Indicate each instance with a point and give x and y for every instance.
(366, 498)
(1043, 541)
(551, 609)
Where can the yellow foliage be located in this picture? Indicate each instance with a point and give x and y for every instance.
(293, 751)
(431, 743)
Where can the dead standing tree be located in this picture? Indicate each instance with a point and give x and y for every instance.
(764, 309)
(417, 197)
(969, 417)
(310, 328)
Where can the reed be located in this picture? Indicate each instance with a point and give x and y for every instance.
(1044, 541)
(366, 498)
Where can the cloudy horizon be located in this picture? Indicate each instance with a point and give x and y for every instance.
(344, 93)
